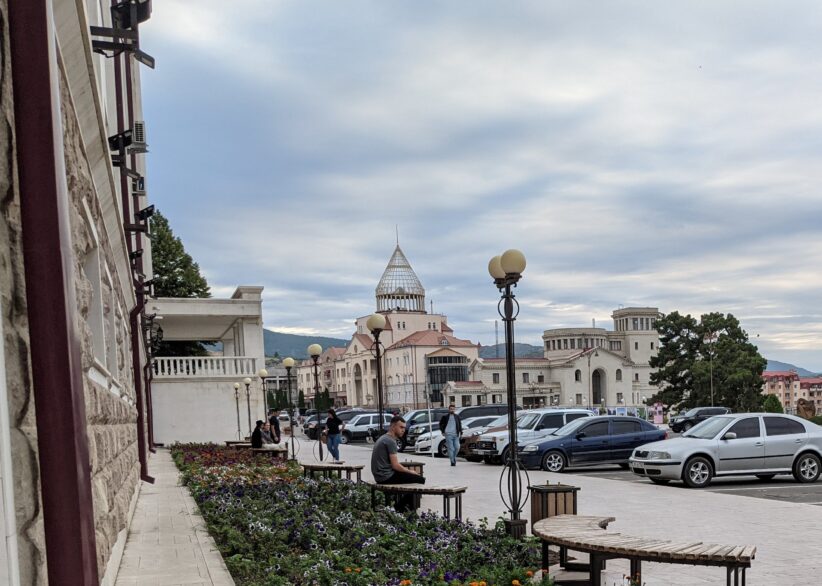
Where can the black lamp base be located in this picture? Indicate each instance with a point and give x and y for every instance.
(515, 527)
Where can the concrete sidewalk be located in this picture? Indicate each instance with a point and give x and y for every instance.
(168, 542)
(788, 535)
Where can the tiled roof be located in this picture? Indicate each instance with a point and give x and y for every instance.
(783, 373)
(431, 338)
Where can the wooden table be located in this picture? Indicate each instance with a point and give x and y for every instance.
(331, 470)
(417, 467)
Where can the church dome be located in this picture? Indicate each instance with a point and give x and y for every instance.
(399, 288)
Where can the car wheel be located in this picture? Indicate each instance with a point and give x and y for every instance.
(765, 477)
(505, 454)
(345, 438)
(553, 461)
(442, 449)
(807, 467)
(401, 445)
(399, 442)
(697, 472)
(488, 459)
(687, 426)
(660, 480)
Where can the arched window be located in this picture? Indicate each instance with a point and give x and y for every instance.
(578, 375)
(619, 374)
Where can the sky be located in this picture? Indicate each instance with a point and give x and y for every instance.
(639, 154)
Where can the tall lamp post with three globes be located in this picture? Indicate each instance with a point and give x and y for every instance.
(376, 324)
(315, 350)
(506, 271)
(262, 373)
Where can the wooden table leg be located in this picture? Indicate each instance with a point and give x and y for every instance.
(359, 477)
(545, 556)
(459, 506)
(596, 569)
(446, 506)
(636, 571)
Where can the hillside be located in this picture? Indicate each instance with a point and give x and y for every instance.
(520, 351)
(294, 345)
(776, 365)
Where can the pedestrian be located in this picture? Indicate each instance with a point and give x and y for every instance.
(386, 467)
(334, 427)
(257, 435)
(451, 428)
(274, 421)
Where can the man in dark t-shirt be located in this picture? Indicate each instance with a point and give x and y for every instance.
(385, 464)
(274, 420)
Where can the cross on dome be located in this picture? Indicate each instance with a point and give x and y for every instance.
(399, 288)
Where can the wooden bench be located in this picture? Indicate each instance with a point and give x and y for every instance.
(583, 533)
(278, 451)
(234, 443)
(446, 492)
(329, 470)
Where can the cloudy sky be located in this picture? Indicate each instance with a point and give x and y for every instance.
(639, 153)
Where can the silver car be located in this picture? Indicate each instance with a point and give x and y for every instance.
(759, 444)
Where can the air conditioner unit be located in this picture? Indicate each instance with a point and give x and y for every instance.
(138, 138)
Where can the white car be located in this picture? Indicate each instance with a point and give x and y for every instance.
(531, 425)
(359, 426)
(756, 444)
(436, 438)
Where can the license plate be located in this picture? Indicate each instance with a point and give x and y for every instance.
(485, 452)
(638, 467)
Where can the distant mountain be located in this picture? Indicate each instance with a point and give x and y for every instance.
(520, 351)
(294, 345)
(776, 365)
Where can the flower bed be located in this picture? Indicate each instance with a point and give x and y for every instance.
(275, 527)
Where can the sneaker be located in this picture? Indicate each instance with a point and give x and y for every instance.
(453, 463)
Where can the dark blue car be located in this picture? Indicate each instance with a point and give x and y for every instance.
(589, 441)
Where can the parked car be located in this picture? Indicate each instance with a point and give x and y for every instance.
(531, 425)
(359, 426)
(436, 439)
(481, 410)
(417, 423)
(590, 441)
(696, 415)
(469, 438)
(758, 444)
(310, 427)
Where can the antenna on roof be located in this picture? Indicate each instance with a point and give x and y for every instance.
(496, 337)
(594, 322)
(397, 229)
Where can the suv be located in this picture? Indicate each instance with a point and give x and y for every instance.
(696, 415)
(417, 423)
(482, 410)
(359, 426)
(531, 425)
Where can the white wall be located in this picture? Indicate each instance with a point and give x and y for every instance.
(9, 573)
(202, 411)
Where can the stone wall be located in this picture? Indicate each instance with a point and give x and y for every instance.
(23, 430)
(109, 383)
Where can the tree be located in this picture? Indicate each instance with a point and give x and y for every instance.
(175, 274)
(696, 356)
(772, 404)
(301, 401)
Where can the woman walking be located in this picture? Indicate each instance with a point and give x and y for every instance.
(334, 426)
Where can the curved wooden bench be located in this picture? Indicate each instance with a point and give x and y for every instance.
(329, 470)
(583, 533)
(276, 450)
(446, 492)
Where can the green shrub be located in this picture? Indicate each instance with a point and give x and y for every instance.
(772, 404)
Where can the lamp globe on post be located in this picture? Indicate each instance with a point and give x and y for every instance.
(262, 373)
(506, 270)
(376, 324)
(288, 363)
(247, 383)
(315, 350)
(237, 404)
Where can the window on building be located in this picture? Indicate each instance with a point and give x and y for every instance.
(565, 343)
(636, 376)
(619, 374)
(466, 400)
(636, 345)
(547, 346)
(573, 343)
(526, 377)
(480, 399)
(636, 323)
(620, 398)
(652, 345)
(495, 378)
(578, 375)
(540, 378)
(579, 399)
(579, 342)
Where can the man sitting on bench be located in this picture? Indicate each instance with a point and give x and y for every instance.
(386, 467)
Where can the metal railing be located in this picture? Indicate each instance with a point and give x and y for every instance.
(204, 366)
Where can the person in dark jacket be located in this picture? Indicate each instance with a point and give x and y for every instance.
(451, 428)
(257, 435)
(334, 426)
(274, 421)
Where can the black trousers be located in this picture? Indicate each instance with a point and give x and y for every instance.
(405, 502)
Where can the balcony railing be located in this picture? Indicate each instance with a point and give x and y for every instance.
(204, 366)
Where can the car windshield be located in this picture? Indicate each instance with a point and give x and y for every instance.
(501, 420)
(708, 428)
(691, 412)
(527, 421)
(570, 428)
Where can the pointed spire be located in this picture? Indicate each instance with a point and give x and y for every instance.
(400, 288)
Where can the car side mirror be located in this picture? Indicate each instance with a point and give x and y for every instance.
(729, 436)
(580, 435)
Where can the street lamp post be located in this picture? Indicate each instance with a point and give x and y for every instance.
(376, 324)
(506, 271)
(247, 383)
(289, 364)
(709, 339)
(262, 374)
(237, 402)
(591, 379)
(314, 350)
